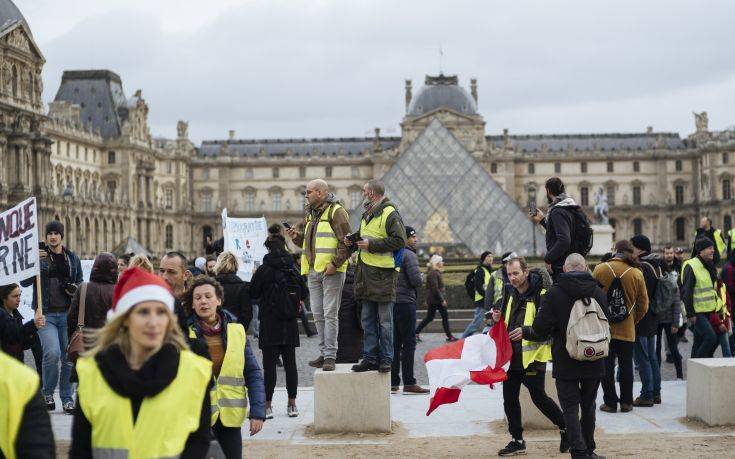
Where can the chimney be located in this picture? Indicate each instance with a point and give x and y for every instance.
(376, 143)
(649, 130)
(506, 139)
(409, 94)
(473, 88)
(232, 134)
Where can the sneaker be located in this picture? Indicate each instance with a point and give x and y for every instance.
(269, 413)
(385, 366)
(624, 408)
(393, 389)
(683, 339)
(513, 448)
(415, 390)
(451, 339)
(657, 399)
(69, 407)
(317, 363)
(564, 442)
(608, 408)
(328, 365)
(50, 403)
(364, 365)
(279, 362)
(292, 411)
(592, 455)
(642, 402)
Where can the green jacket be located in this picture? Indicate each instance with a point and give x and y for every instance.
(379, 284)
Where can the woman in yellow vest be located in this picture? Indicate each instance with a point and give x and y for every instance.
(236, 378)
(142, 393)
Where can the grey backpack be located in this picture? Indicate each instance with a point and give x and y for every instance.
(588, 332)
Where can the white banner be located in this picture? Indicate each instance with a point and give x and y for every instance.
(19, 243)
(245, 238)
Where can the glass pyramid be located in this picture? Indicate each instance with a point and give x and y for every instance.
(452, 202)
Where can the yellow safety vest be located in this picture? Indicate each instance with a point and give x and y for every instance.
(719, 242)
(533, 351)
(325, 242)
(376, 229)
(731, 236)
(18, 385)
(485, 281)
(164, 421)
(705, 298)
(229, 394)
(498, 285)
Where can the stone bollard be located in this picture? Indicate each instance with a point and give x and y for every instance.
(532, 417)
(345, 401)
(708, 391)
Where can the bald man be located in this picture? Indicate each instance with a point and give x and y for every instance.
(324, 260)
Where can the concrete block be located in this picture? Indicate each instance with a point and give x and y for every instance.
(345, 401)
(532, 417)
(708, 395)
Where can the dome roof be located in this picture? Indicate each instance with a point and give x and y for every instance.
(10, 15)
(442, 92)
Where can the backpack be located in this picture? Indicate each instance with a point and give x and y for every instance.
(654, 305)
(582, 236)
(665, 292)
(285, 294)
(616, 298)
(588, 332)
(469, 284)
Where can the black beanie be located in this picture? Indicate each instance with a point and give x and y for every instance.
(641, 242)
(484, 254)
(410, 231)
(702, 243)
(55, 226)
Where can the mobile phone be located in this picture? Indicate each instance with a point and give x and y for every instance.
(286, 225)
(354, 237)
(532, 210)
(41, 245)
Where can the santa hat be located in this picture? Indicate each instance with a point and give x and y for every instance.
(135, 286)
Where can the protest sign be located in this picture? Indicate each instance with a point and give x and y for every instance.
(19, 243)
(245, 238)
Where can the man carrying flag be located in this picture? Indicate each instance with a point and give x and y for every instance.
(528, 364)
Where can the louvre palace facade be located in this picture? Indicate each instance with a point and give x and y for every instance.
(92, 162)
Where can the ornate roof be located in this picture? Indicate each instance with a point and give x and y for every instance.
(351, 146)
(10, 15)
(591, 142)
(442, 92)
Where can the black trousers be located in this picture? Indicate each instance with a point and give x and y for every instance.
(229, 439)
(534, 382)
(672, 343)
(623, 352)
(573, 394)
(270, 355)
(430, 313)
(404, 343)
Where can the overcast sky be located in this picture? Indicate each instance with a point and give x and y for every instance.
(337, 68)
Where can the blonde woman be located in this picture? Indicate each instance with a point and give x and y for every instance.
(237, 291)
(142, 262)
(141, 392)
(435, 297)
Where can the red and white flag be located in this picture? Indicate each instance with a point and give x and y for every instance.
(482, 358)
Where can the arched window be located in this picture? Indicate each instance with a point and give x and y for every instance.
(584, 195)
(169, 237)
(80, 236)
(206, 234)
(637, 226)
(679, 229)
(15, 81)
(727, 223)
(726, 189)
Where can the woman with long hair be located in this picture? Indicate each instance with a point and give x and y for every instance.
(435, 297)
(237, 381)
(15, 336)
(141, 392)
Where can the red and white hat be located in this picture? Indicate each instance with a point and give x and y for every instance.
(135, 286)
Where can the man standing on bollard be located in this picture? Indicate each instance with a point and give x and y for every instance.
(381, 236)
(324, 261)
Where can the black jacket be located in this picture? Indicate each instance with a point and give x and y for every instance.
(480, 281)
(552, 320)
(15, 336)
(35, 438)
(155, 375)
(274, 331)
(689, 282)
(518, 314)
(651, 266)
(559, 224)
(237, 297)
(101, 284)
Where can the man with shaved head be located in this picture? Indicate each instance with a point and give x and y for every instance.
(324, 260)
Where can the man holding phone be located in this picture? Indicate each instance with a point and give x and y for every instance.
(324, 262)
(61, 274)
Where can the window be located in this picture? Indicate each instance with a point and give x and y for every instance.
(637, 227)
(531, 168)
(275, 172)
(169, 167)
(610, 195)
(248, 172)
(205, 173)
(111, 188)
(557, 168)
(76, 151)
(276, 200)
(111, 159)
(727, 223)
(679, 229)
(636, 195)
(207, 202)
(584, 196)
(169, 237)
(678, 165)
(679, 194)
(86, 154)
(725, 157)
(583, 167)
(68, 150)
(610, 166)
(355, 172)
(354, 199)
(250, 201)
(726, 189)
(493, 168)
(302, 172)
(168, 198)
(328, 171)
(636, 166)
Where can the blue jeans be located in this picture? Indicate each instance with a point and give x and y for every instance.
(377, 321)
(404, 343)
(477, 320)
(724, 342)
(54, 341)
(648, 369)
(705, 338)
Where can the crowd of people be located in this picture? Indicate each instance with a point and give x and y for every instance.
(167, 353)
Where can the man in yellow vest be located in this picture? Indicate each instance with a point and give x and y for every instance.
(324, 260)
(700, 296)
(528, 363)
(707, 230)
(382, 236)
(482, 280)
